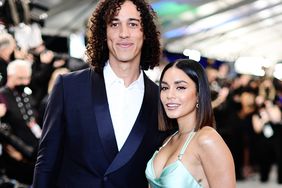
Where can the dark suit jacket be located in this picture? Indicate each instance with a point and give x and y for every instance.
(78, 146)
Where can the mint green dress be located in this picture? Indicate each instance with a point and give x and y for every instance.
(174, 175)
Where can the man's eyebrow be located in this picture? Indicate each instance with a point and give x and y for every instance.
(134, 19)
(130, 19)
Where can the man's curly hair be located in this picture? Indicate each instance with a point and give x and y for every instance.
(97, 51)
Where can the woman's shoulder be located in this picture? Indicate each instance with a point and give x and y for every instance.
(207, 137)
(215, 158)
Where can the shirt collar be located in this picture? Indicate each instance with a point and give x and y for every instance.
(112, 78)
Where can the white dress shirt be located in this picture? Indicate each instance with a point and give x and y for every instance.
(124, 102)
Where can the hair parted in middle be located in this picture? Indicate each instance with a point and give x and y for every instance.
(197, 74)
(97, 51)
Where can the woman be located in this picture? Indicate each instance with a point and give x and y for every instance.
(195, 155)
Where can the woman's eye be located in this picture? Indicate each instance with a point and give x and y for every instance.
(164, 88)
(181, 88)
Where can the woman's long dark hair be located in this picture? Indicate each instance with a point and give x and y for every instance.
(195, 72)
(97, 51)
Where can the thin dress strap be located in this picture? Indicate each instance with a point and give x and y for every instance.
(168, 140)
(186, 144)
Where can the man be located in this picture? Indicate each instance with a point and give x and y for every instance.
(100, 125)
(22, 134)
(7, 47)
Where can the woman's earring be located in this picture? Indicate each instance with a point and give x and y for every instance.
(197, 105)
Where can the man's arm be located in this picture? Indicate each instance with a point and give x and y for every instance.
(50, 147)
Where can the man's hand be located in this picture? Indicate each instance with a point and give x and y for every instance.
(3, 109)
(15, 154)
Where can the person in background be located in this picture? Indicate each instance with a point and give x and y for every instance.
(43, 103)
(19, 154)
(195, 155)
(44, 64)
(100, 125)
(7, 47)
(267, 126)
(3, 110)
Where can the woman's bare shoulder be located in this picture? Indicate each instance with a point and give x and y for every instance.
(209, 139)
(216, 158)
(207, 135)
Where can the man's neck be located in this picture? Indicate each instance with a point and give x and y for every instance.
(128, 71)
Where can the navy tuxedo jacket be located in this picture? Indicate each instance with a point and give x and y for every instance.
(78, 148)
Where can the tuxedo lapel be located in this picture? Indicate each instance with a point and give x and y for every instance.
(136, 135)
(103, 117)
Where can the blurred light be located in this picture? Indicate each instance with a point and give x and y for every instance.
(77, 45)
(214, 6)
(192, 54)
(171, 8)
(2, 28)
(274, 1)
(277, 71)
(27, 91)
(207, 9)
(265, 14)
(175, 33)
(43, 16)
(187, 16)
(252, 65)
(277, 9)
(267, 22)
(210, 23)
(261, 4)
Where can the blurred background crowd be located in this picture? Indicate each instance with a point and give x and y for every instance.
(248, 107)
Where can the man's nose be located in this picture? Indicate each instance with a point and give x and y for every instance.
(124, 31)
(25, 81)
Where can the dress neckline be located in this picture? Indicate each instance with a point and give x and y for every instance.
(189, 138)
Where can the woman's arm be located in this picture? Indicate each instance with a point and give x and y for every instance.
(216, 159)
